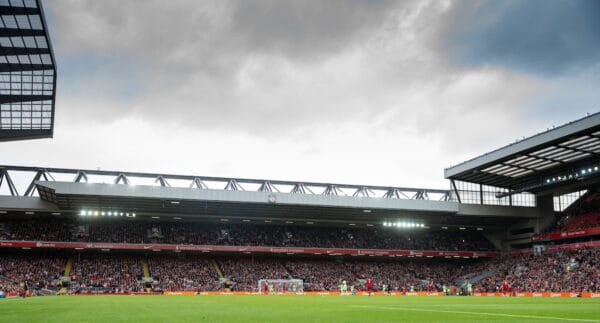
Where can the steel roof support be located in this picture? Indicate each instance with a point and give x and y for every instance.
(266, 186)
(198, 183)
(39, 174)
(81, 175)
(119, 177)
(162, 181)
(233, 185)
(11, 186)
(122, 178)
(333, 190)
(363, 191)
(300, 188)
(396, 193)
(453, 184)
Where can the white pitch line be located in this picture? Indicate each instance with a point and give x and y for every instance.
(12, 299)
(477, 313)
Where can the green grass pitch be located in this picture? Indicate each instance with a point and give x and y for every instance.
(260, 308)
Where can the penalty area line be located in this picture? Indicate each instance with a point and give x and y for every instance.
(476, 313)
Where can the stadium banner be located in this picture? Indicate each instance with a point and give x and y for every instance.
(567, 246)
(275, 250)
(335, 293)
(565, 234)
(541, 294)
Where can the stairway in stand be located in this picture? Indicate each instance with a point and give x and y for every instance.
(68, 267)
(287, 271)
(217, 268)
(146, 267)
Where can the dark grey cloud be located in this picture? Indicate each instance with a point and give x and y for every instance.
(546, 37)
(244, 63)
(271, 68)
(306, 28)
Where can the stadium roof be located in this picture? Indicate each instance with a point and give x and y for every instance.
(565, 155)
(164, 196)
(27, 72)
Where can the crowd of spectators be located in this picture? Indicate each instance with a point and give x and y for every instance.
(560, 271)
(30, 271)
(581, 214)
(122, 232)
(410, 275)
(38, 229)
(573, 222)
(567, 270)
(107, 273)
(582, 221)
(244, 273)
(188, 273)
(132, 231)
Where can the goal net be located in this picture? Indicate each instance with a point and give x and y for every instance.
(280, 286)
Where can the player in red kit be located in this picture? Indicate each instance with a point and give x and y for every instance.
(369, 285)
(265, 287)
(430, 286)
(504, 287)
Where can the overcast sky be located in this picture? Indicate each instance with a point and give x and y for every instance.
(360, 92)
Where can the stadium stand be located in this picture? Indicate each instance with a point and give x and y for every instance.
(240, 235)
(183, 273)
(582, 221)
(321, 275)
(568, 270)
(245, 272)
(563, 271)
(37, 271)
(106, 273)
(215, 240)
(36, 229)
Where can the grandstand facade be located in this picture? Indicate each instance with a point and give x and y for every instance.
(204, 234)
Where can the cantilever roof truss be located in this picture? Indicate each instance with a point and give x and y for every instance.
(27, 72)
(524, 165)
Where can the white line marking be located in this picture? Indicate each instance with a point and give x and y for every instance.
(11, 299)
(477, 313)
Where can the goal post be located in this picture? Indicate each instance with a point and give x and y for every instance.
(280, 286)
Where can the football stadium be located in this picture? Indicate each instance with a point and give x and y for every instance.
(514, 237)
